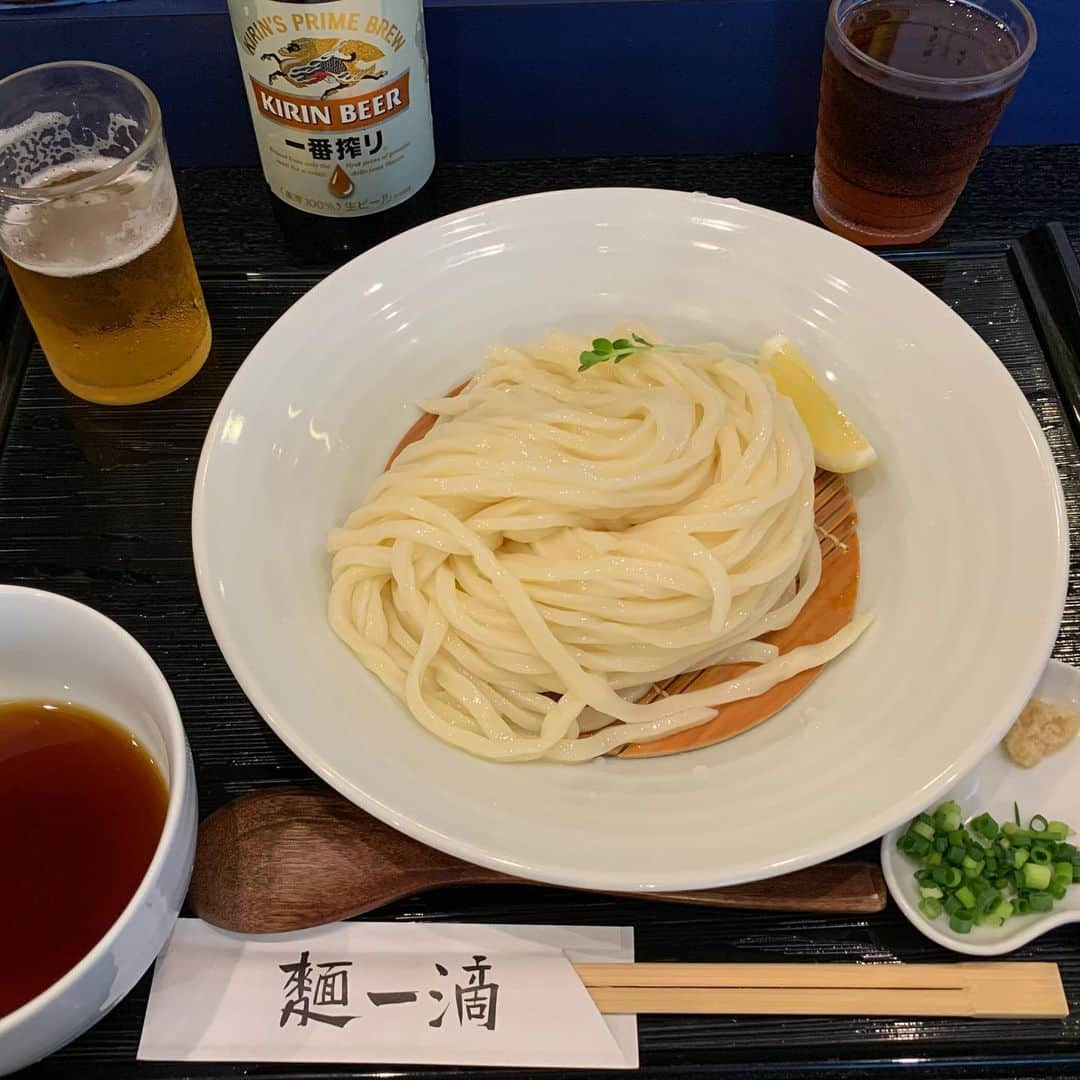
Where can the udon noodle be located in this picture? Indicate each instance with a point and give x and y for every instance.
(560, 540)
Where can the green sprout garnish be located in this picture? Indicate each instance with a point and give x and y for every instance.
(615, 351)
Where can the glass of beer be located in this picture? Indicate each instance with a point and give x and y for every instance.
(910, 92)
(91, 234)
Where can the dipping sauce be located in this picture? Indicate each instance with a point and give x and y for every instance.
(82, 806)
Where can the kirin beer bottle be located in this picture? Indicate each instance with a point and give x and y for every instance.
(339, 98)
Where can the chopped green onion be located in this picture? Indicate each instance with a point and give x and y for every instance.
(984, 873)
(1035, 876)
(1041, 855)
(947, 816)
(913, 844)
(930, 907)
(961, 922)
(947, 875)
(967, 897)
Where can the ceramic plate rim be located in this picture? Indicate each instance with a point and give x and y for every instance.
(556, 871)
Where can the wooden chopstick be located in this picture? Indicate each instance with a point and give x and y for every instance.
(814, 976)
(965, 989)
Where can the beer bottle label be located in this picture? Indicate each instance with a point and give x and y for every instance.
(339, 98)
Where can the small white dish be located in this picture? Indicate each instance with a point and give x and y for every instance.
(1050, 788)
(52, 648)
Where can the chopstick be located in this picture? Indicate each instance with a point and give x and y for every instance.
(966, 989)
(1049, 277)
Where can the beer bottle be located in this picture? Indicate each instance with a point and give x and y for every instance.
(339, 98)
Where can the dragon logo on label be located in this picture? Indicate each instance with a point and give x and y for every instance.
(326, 64)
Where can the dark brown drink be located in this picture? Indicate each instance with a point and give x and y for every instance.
(910, 92)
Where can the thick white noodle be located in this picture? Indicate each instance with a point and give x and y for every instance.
(560, 539)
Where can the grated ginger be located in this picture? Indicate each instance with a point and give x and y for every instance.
(1041, 729)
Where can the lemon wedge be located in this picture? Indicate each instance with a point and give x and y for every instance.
(839, 445)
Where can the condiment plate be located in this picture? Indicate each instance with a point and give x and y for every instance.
(1051, 788)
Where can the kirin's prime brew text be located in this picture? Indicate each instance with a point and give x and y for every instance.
(339, 98)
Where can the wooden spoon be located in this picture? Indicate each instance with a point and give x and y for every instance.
(290, 858)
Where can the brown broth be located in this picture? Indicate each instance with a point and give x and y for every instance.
(82, 806)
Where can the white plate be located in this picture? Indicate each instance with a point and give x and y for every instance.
(1050, 788)
(963, 531)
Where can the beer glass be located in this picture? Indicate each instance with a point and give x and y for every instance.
(91, 233)
(910, 92)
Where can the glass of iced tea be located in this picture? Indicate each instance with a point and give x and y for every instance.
(910, 92)
(91, 234)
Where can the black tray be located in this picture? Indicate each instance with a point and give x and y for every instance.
(94, 504)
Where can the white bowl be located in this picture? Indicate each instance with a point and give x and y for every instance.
(1049, 788)
(56, 649)
(962, 520)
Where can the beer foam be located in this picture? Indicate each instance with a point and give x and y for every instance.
(44, 139)
(23, 146)
(89, 231)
